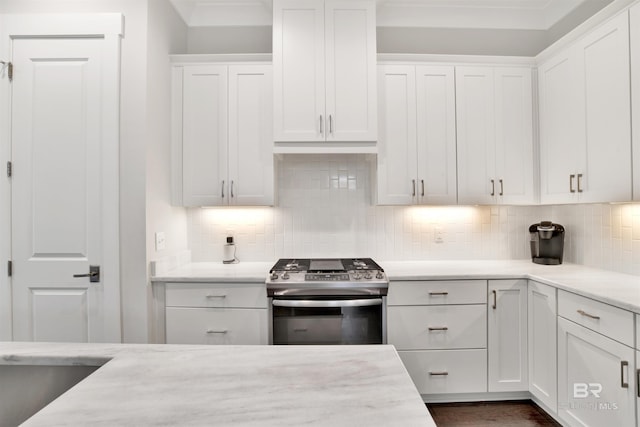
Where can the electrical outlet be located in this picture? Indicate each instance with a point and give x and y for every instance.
(160, 241)
(438, 235)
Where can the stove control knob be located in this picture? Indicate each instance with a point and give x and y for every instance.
(379, 276)
(357, 276)
(285, 275)
(368, 276)
(274, 276)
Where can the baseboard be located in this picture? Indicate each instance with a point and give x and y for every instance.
(477, 397)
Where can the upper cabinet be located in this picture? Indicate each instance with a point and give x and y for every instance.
(635, 95)
(494, 111)
(324, 59)
(222, 135)
(417, 141)
(585, 119)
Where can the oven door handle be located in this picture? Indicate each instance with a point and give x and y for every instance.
(327, 303)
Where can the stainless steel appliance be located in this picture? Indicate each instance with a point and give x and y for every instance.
(547, 243)
(327, 301)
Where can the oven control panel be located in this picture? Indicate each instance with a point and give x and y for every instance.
(323, 277)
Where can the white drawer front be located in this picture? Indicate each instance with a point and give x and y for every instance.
(606, 319)
(438, 292)
(447, 371)
(232, 295)
(216, 326)
(423, 327)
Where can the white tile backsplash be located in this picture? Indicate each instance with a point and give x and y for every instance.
(325, 209)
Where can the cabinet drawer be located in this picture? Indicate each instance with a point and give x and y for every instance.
(447, 371)
(423, 327)
(216, 326)
(437, 292)
(233, 295)
(606, 319)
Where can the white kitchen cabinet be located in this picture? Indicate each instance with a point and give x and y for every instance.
(596, 381)
(494, 135)
(417, 141)
(585, 119)
(439, 329)
(222, 135)
(324, 55)
(213, 313)
(507, 335)
(542, 344)
(634, 36)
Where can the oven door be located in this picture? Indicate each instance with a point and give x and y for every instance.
(328, 320)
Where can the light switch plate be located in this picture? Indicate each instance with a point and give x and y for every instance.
(160, 241)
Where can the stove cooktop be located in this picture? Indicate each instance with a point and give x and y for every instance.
(320, 265)
(327, 274)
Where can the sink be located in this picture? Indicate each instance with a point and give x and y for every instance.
(28, 388)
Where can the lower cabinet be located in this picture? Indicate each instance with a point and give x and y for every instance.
(212, 313)
(542, 346)
(507, 335)
(596, 376)
(439, 330)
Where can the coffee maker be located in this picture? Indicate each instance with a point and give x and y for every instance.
(547, 243)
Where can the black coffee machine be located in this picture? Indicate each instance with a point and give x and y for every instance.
(547, 243)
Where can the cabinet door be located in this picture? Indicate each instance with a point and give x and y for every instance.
(542, 344)
(507, 335)
(250, 135)
(204, 135)
(436, 124)
(476, 135)
(634, 19)
(606, 121)
(514, 135)
(397, 165)
(350, 43)
(596, 381)
(558, 111)
(298, 67)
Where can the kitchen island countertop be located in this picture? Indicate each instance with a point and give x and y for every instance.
(146, 385)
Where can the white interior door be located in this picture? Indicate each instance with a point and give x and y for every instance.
(61, 208)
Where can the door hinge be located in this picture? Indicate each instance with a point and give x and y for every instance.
(9, 66)
(9, 169)
(9, 268)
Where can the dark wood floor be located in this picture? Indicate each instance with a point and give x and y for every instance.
(521, 413)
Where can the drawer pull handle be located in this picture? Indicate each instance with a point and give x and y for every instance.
(638, 381)
(623, 364)
(591, 316)
(300, 330)
(440, 373)
(438, 328)
(432, 294)
(216, 296)
(213, 331)
(495, 299)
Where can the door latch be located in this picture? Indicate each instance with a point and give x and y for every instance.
(93, 274)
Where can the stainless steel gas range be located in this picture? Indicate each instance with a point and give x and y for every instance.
(327, 301)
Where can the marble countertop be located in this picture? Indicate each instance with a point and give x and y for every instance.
(621, 290)
(217, 272)
(143, 385)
